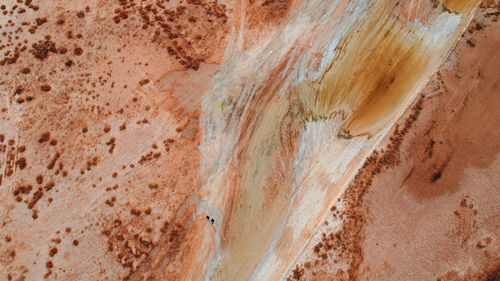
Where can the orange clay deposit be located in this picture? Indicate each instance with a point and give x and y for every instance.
(249, 140)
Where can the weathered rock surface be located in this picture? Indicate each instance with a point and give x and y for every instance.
(249, 140)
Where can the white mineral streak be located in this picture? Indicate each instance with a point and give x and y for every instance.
(324, 162)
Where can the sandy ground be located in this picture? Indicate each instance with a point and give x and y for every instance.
(98, 154)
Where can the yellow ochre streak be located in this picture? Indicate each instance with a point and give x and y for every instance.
(376, 70)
